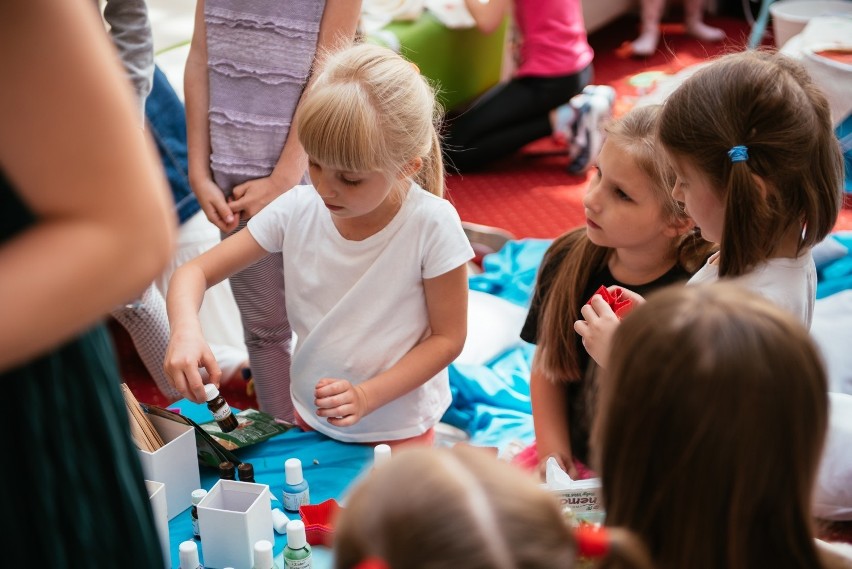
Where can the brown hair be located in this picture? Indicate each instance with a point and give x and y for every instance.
(461, 508)
(369, 109)
(578, 258)
(768, 103)
(711, 423)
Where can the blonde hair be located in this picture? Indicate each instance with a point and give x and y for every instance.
(711, 423)
(767, 103)
(579, 258)
(431, 508)
(368, 110)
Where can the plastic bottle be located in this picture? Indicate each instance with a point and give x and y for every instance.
(188, 555)
(226, 420)
(263, 555)
(197, 496)
(296, 491)
(297, 554)
(245, 472)
(381, 454)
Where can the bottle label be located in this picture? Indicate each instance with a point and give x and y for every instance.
(222, 412)
(195, 531)
(294, 500)
(305, 563)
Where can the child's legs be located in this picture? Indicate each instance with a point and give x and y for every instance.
(426, 439)
(259, 292)
(508, 117)
(147, 324)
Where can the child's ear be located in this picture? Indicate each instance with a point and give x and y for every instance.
(679, 226)
(411, 168)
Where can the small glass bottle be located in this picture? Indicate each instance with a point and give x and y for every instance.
(188, 555)
(296, 490)
(297, 554)
(245, 472)
(226, 470)
(226, 420)
(197, 496)
(263, 555)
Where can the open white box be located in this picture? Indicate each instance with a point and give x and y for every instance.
(175, 464)
(232, 517)
(157, 495)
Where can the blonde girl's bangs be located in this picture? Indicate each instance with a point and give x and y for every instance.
(338, 128)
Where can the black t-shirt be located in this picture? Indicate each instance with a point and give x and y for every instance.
(578, 393)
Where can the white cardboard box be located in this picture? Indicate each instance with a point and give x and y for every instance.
(232, 517)
(175, 464)
(157, 495)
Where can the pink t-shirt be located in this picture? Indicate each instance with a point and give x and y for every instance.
(553, 38)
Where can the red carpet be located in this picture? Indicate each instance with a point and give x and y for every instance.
(530, 194)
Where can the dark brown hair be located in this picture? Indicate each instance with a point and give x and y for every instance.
(578, 258)
(768, 103)
(711, 423)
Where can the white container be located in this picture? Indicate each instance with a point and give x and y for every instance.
(789, 17)
(232, 517)
(175, 464)
(157, 496)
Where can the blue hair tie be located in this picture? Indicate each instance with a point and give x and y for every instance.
(738, 154)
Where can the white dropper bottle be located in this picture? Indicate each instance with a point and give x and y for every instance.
(188, 555)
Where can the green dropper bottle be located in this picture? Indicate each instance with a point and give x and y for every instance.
(297, 554)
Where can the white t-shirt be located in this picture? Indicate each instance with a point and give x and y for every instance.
(357, 307)
(790, 283)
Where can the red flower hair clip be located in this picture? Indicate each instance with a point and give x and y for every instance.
(592, 541)
(616, 300)
(372, 563)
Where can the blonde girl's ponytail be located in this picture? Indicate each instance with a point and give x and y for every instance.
(431, 175)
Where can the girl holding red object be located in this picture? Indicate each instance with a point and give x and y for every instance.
(636, 236)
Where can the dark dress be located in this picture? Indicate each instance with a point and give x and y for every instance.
(579, 393)
(72, 480)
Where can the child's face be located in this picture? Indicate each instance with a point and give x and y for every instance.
(355, 196)
(700, 199)
(623, 210)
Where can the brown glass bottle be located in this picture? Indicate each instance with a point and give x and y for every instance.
(245, 472)
(220, 409)
(226, 470)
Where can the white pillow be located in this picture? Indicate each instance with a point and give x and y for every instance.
(493, 326)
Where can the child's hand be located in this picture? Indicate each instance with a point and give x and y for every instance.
(252, 196)
(184, 355)
(214, 205)
(626, 294)
(343, 403)
(597, 327)
(566, 463)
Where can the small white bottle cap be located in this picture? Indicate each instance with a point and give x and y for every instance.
(279, 521)
(211, 391)
(381, 454)
(198, 495)
(296, 534)
(293, 471)
(188, 555)
(262, 554)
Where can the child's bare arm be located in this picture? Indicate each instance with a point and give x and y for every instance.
(187, 350)
(550, 421)
(446, 300)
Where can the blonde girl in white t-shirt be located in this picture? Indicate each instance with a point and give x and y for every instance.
(374, 264)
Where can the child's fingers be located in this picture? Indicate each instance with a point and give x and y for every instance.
(334, 387)
(336, 412)
(334, 401)
(347, 421)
